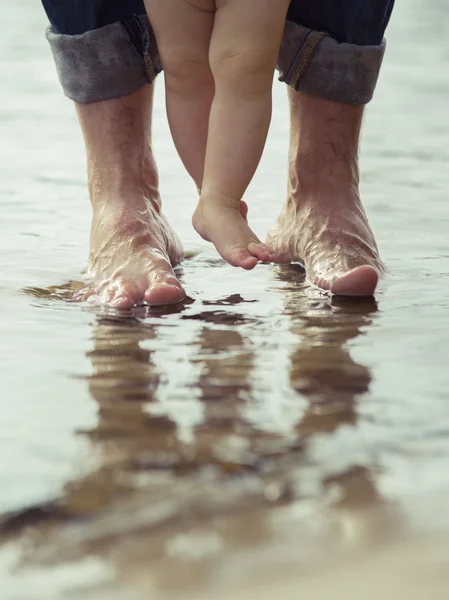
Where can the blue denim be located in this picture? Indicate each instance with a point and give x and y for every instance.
(73, 17)
(331, 48)
(360, 22)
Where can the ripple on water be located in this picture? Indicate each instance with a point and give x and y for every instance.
(260, 426)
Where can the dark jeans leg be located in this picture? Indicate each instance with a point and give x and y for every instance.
(361, 22)
(103, 49)
(334, 48)
(74, 17)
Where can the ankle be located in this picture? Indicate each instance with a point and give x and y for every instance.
(312, 173)
(129, 182)
(216, 200)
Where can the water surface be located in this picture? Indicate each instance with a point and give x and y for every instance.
(259, 431)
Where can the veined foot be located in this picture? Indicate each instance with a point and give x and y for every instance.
(334, 242)
(223, 222)
(132, 253)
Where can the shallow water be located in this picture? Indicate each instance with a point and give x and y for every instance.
(259, 429)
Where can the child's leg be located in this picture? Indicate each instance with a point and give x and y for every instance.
(244, 47)
(183, 30)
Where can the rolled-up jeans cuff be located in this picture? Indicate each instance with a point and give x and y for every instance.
(108, 62)
(315, 63)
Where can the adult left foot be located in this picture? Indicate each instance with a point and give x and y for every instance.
(332, 239)
(323, 224)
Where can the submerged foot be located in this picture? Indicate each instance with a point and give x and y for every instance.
(334, 242)
(132, 247)
(132, 254)
(220, 221)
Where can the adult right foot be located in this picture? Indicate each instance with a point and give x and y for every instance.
(132, 247)
(132, 254)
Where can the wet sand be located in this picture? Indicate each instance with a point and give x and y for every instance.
(260, 439)
(412, 569)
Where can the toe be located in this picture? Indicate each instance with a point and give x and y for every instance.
(122, 294)
(248, 263)
(261, 251)
(164, 288)
(122, 300)
(361, 281)
(164, 294)
(241, 257)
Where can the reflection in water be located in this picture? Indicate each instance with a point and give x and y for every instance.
(322, 368)
(189, 470)
(233, 437)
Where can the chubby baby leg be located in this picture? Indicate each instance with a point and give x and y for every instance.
(243, 51)
(183, 31)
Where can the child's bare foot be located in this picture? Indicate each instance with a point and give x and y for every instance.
(220, 220)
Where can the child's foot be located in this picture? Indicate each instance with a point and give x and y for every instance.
(220, 221)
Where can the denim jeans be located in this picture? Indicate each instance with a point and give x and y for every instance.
(105, 49)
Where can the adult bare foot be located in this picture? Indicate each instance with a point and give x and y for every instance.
(333, 240)
(323, 224)
(133, 248)
(223, 222)
(132, 252)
